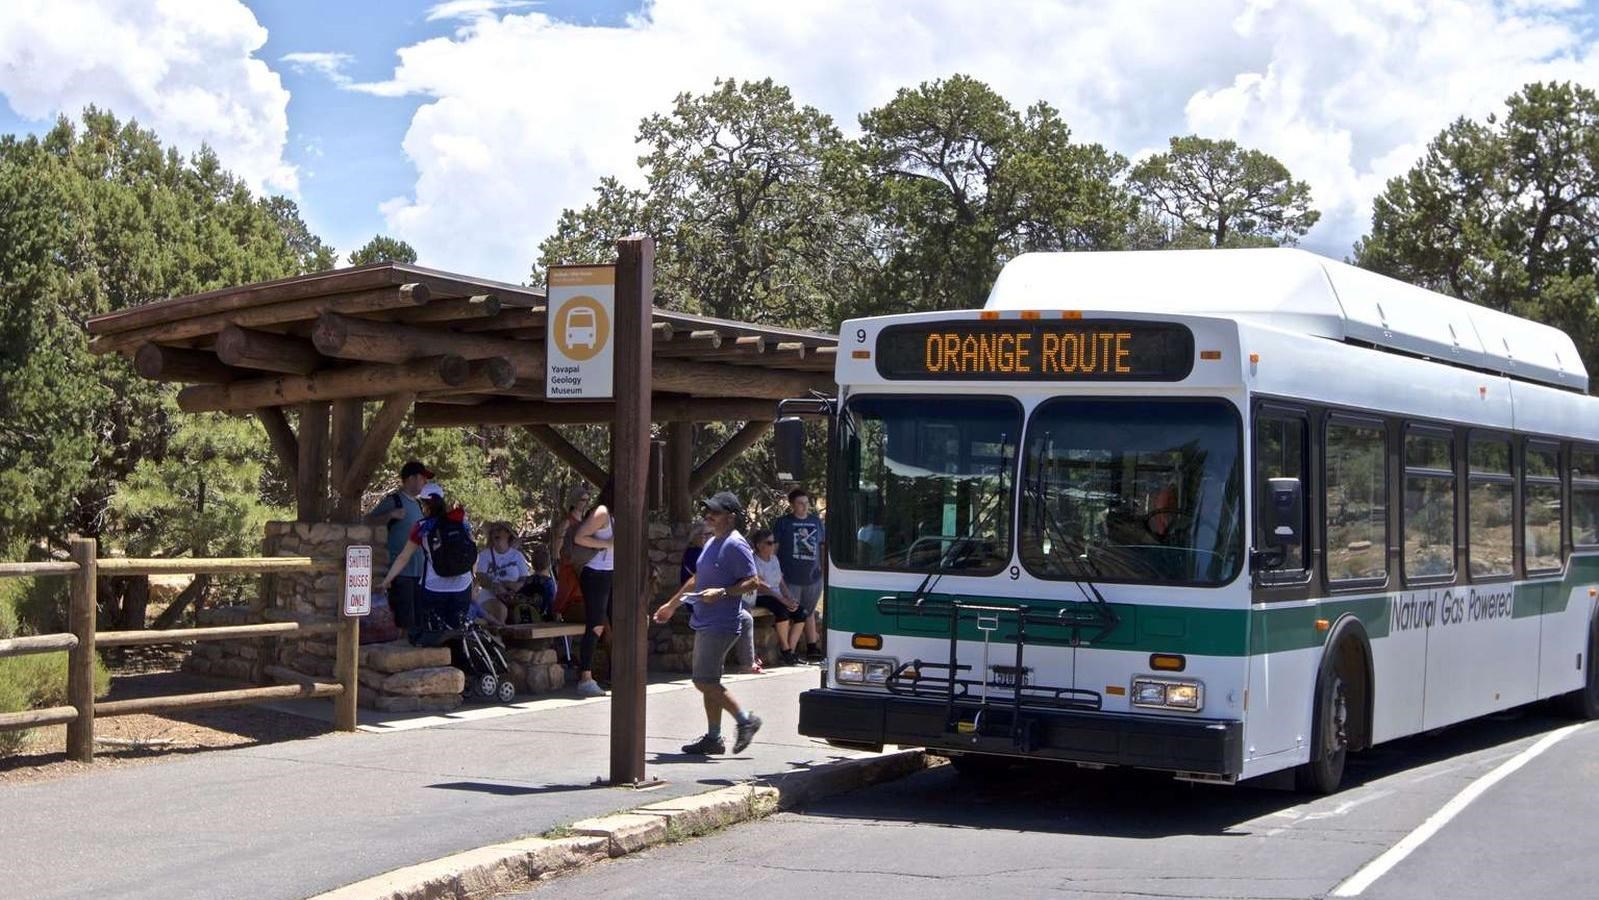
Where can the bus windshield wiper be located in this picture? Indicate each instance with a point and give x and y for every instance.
(924, 589)
(1103, 613)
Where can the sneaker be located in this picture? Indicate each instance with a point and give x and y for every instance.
(790, 658)
(746, 733)
(590, 688)
(707, 745)
(814, 653)
(756, 668)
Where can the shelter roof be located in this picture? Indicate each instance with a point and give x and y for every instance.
(470, 349)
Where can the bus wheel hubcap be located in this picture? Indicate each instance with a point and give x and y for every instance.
(1339, 715)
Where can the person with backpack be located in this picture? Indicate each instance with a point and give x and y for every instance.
(397, 513)
(593, 553)
(444, 540)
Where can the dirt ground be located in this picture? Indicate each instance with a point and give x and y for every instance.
(141, 739)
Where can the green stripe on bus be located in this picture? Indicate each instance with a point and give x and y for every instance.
(1201, 632)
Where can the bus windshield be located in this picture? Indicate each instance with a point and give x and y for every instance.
(926, 483)
(1133, 490)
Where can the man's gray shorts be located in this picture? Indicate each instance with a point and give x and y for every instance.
(710, 652)
(807, 595)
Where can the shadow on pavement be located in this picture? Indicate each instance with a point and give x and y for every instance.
(1063, 799)
(514, 790)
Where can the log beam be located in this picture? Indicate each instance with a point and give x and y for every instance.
(159, 363)
(363, 339)
(531, 412)
(565, 452)
(430, 374)
(374, 447)
(212, 322)
(248, 348)
(283, 441)
(742, 440)
(478, 306)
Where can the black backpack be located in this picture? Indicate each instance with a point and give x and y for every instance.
(450, 548)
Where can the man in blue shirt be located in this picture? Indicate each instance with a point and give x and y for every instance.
(399, 512)
(800, 545)
(725, 572)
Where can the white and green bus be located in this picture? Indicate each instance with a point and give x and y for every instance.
(1218, 513)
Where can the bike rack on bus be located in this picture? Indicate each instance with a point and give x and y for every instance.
(909, 679)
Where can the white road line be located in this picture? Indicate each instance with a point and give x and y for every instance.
(1355, 884)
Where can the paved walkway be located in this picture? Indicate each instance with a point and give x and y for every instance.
(293, 819)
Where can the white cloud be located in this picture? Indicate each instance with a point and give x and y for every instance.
(329, 65)
(473, 9)
(524, 113)
(185, 68)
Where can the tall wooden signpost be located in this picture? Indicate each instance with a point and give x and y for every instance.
(630, 435)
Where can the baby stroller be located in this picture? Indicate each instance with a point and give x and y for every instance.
(477, 652)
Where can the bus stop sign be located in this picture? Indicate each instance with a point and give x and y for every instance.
(357, 580)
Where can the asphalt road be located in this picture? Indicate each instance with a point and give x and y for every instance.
(1073, 833)
(293, 819)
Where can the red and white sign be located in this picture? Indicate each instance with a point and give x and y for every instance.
(357, 580)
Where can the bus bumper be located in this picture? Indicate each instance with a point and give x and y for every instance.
(1199, 746)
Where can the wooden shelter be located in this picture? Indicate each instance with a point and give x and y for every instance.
(461, 350)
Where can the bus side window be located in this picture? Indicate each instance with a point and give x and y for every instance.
(1281, 442)
(1489, 508)
(1357, 501)
(1584, 496)
(1540, 506)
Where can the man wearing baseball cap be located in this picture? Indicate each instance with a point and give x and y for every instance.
(399, 511)
(726, 571)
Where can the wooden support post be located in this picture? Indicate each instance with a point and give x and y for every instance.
(742, 440)
(283, 440)
(311, 489)
(80, 659)
(679, 471)
(385, 425)
(630, 434)
(565, 452)
(347, 667)
(348, 427)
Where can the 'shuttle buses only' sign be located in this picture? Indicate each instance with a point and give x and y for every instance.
(1074, 350)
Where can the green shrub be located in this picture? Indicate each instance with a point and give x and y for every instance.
(33, 682)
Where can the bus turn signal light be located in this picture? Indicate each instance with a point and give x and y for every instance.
(1210, 354)
(1167, 662)
(867, 642)
(1323, 624)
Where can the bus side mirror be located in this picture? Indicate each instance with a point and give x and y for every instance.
(788, 438)
(1284, 516)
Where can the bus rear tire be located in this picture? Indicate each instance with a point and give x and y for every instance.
(1330, 725)
(1583, 703)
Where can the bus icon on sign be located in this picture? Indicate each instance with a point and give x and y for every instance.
(581, 328)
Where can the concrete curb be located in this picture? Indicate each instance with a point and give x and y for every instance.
(490, 870)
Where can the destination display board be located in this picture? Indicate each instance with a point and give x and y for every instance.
(1035, 350)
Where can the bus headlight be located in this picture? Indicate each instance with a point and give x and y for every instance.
(1168, 693)
(864, 671)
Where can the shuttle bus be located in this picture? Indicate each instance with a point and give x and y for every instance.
(1222, 513)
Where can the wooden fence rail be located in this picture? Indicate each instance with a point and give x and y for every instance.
(82, 642)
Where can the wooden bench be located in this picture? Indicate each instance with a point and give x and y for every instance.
(537, 630)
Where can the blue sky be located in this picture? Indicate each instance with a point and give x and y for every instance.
(466, 126)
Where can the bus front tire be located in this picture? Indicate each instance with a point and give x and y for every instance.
(1329, 732)
(1583, 703)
